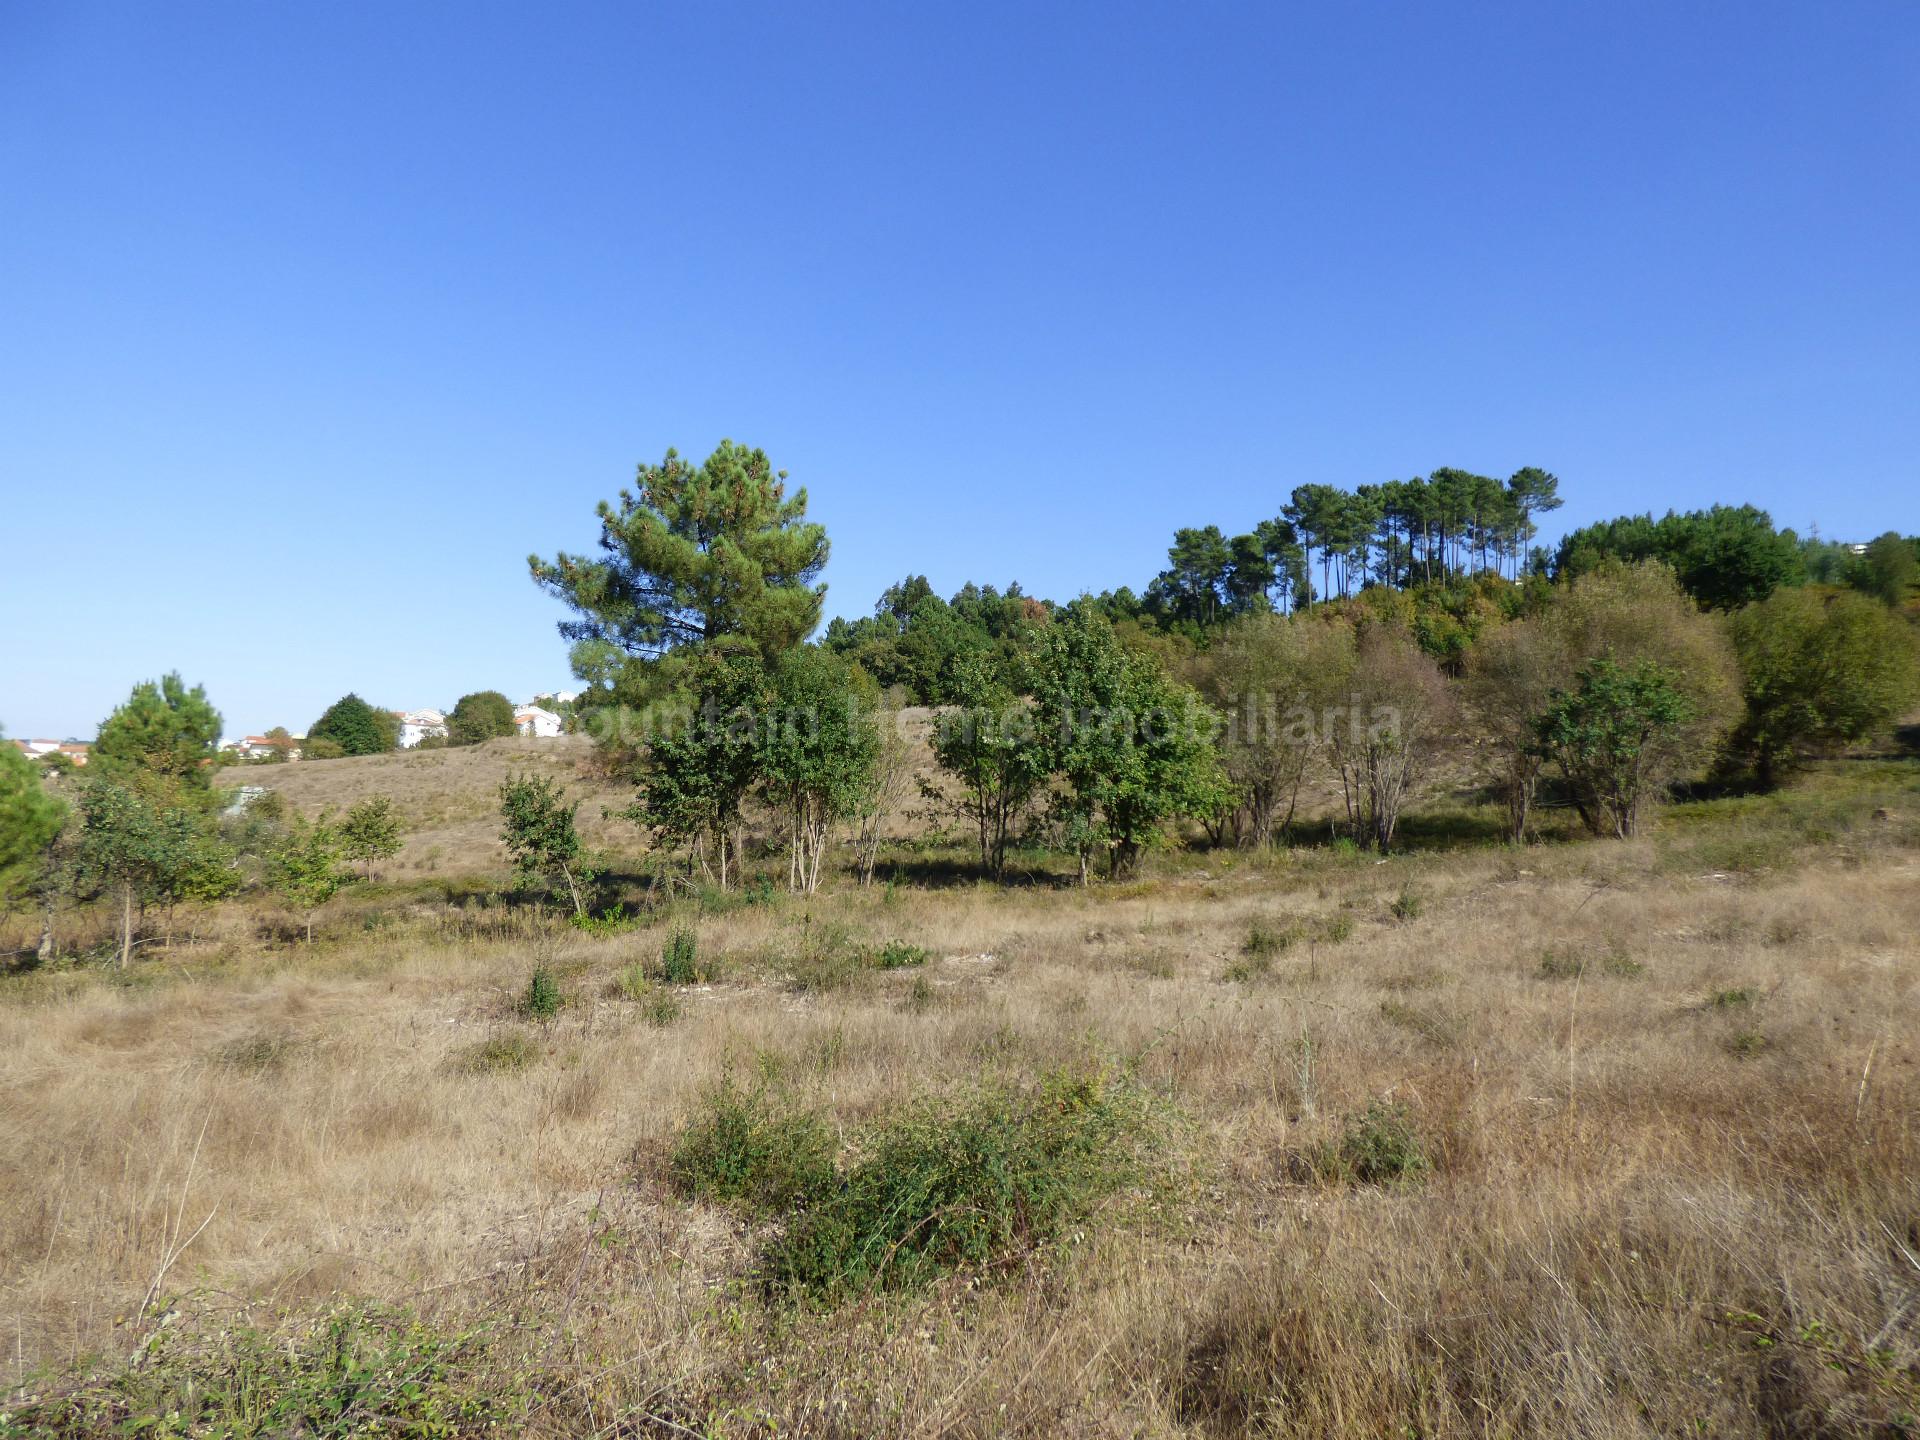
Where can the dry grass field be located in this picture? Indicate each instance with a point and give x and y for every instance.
(1587, 1139)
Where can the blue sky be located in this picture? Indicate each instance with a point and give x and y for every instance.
(316, 319)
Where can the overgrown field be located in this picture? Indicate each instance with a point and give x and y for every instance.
(1585, 1138)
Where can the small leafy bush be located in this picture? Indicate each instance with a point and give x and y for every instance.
(608, 923)
(542, 999)
(680, 957)
(1407, 905)
(753, 1147)
(1557, 966)
(1735, 999)
(1381, 1147)
(1746, 1044)
(1265, 939)
(962, 1183)
(898, 955)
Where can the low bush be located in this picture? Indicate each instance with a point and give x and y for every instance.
(963, 1183)
(1381, 1147)
(753, 1147)
(898, 955)
(542, 998)
(1407, 905)
(504, 1053)
(680, 957)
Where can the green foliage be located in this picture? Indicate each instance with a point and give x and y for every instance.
(1608, 736)
(1888, 570)
(990, 746)
(358, 1370)
(164, 736)
(816, 754)
(371, 832)
(1726, 557)
(1821, 668)
(304, 868)
(30, 821)
(699, 768)
(542, 999)
(961, 1182)
(538, 830)
(694, 554)
(1381, 1147)
(1407, 905)
(898, 955)
(483, 715)
(755, 1148)
(140, 852)
(680, 957)
(1132, 748)
(355, 726)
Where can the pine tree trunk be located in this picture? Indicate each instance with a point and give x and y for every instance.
(126, 925)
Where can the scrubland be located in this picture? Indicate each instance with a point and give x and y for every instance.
(1585, 1138)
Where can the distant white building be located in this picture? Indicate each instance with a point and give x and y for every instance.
(418, 725)
(540, 724)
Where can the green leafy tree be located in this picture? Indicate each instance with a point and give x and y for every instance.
(1821, 668)
(538, 831)
(355, 726)
(1613, 736)
(30, 821)
(818, 747)
(1725, 557)
(1132, 748)
(1888, 570)
(483, 715)
(304, 868)
(703, 760)
(370, 832)
(991, 747)
(139, 852)
(164, 738)
(692, 554)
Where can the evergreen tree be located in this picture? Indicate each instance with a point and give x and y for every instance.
(355, 726)
(163, 738)
(693, 554)
(30, 821)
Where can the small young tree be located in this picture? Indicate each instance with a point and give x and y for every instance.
(1511, 676)
(1382, 738)
(991, 747)
(1821, 668)
(355, 726)
(163, 737)
(30, 821)
(1265, 677)
(371, 832)
(817, 753)
(126, 848)
(539, 834)
(700, 765)
(892, 783)
(304, 868)
(1132, 748)
(1615, 737)
(483, 715)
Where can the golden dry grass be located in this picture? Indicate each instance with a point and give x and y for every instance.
(1669, 1090)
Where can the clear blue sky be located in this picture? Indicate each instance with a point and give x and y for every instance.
(316, 318)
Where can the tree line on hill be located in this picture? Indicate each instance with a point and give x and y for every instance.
(1641, 652)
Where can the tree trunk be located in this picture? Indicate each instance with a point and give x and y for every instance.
(126, 925)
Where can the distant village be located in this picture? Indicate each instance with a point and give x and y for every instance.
(533, 719)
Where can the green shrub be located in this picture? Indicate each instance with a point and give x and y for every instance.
(1336, 928)
(826, 959)
(898, 955)
(754, 1148)
(542, 999)
(1381, 1147)
(608, 923)
(1265, 939)
(1557, 966)
(963, 1182)
(679, 958)
(1745, 1044)
(360, 1370)
(1735, 999)
(1406, 906)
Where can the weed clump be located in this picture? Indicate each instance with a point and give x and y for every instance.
(754, 1148)
(1380, 1147)
(680, 957)
(542, 998)
(963, 1184)
(1407, 905)
(505, 1053)
(898, 955)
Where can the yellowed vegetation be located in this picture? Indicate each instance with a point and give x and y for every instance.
(1667, 1091)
